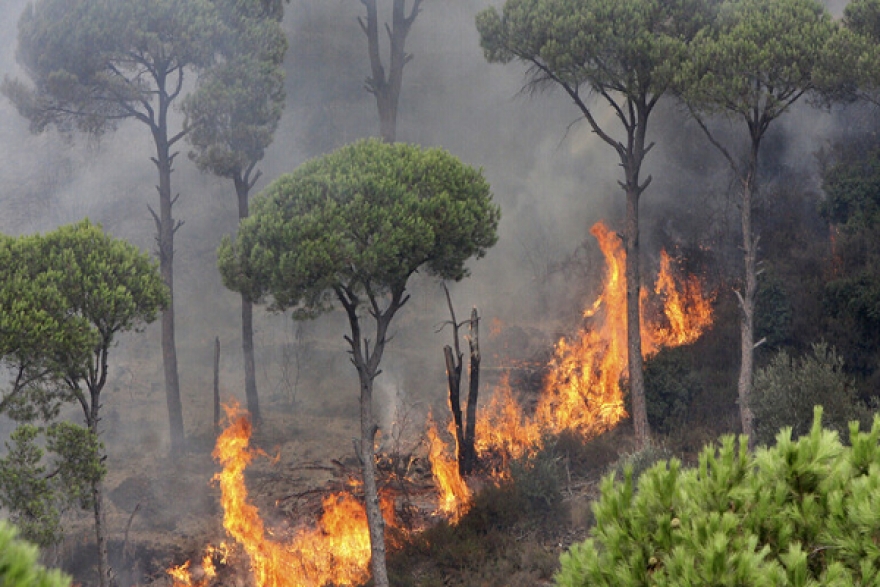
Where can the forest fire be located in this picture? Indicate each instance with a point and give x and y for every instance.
(336, 551)
(582, 391)
(455, 495)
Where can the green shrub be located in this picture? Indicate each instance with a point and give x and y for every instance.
(638, 462)
(670, 386)
(536, 480)
(786, 391)
(802, 513)
(18, 563)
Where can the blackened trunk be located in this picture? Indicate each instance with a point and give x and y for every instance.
(453, 378)
(468, 449)
(242, 189)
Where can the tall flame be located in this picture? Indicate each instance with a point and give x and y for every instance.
(455, 495)
(581, 393)
(687, 312)
(582, 390)
(336, 551)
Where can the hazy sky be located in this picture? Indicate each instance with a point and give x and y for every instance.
(553, 179)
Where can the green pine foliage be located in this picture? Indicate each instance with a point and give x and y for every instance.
(804, 512)
(787, 389)
(18, 563)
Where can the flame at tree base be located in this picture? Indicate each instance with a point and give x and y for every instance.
(336, 551)
(582, 390)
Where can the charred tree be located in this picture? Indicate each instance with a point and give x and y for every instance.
(465, 427)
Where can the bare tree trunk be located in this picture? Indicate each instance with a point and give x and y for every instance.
(453, 378)
(105, 572)
(367, 364)
(92, 417)
(371, 491)
(757, 123)
(166, 227)
(386, 89)
(469, 453)
(216, 385)
(747, 299)
(632, 163)
(243, 185)
(633, 322)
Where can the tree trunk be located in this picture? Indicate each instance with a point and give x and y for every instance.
(105, 572)
(747, 301)
(386, 89)
(469, 451)
(166, 228)
(633, 320)
(92, 418)
(453, 378)
(371, 491)
(367, 365)
(242, 189)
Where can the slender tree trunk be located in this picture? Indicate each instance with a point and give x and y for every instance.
(632, 164)
(92, 417)
(470, 431)
(633, 321)
(367, 365)
(105, 572)
(242, 189)
(166, 228)
(747, 298)
(453, 378)
(386, 88)
(371, 491)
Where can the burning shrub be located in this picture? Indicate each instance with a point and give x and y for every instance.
(788, 388)
(804, 512)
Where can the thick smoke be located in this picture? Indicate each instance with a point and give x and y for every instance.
(552, 177)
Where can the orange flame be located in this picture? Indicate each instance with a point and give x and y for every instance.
(455, 495)
(687, 311)
(503, 426)
(582, 391)
(336, 551)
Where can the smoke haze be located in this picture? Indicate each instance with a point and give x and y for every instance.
(552, 177)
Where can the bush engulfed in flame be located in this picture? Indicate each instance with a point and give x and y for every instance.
(336, 551)
(582, 391)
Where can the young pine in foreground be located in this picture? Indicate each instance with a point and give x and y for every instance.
(802, 513)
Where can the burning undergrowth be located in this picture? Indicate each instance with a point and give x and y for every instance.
(582, 391)
(581, 395)
(334, 550)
